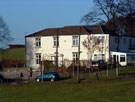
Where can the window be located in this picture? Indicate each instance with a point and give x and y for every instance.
(95, 57)
(95, 38)
(75, 57)
(122, 58)
(38, 58)
(130, 43)
(75, 40)
(100, 39)
(124, 41)
(55, 41)
(133, 46)
(116, 40)
(99, 57)
(38, 42)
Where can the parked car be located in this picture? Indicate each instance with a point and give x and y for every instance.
(48, 76)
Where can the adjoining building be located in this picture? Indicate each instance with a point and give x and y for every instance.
(12, 46)
(64, 42)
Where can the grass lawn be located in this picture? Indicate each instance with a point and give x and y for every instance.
(16, 53)
(130, 70)
(69, 91)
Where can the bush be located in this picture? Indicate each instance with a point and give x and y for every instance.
(48, 65)
(12, 63)
(1, 68)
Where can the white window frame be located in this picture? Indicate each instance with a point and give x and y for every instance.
(75, 56)
(55, 41)
(99, 57)
(122, 58)
(38, 42)
(95, 57)
(38, 58)
(75, 40)
(102, 39)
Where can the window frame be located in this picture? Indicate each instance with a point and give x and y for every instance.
(38, 42)
(99, 57)
(55, 40)
(124, 40)
(38, 58)
(122, 58)
(116, 40)
(130, 43)
(75, 41)
(75, 56)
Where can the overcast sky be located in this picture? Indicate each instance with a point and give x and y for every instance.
(34, 15)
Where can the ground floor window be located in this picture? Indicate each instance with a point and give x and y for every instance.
(38, 58)
(99, 57)
(122, 58)
(75, 57)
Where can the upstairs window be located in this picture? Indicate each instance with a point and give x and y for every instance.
(55, 41)
(124, 41)
(130, 43)
(38, 58)
(102, 39)
(116, 40)
(75, 57)
(38, 42)
(99, 38)
(75, 40)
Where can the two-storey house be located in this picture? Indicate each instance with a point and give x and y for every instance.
(64, 43)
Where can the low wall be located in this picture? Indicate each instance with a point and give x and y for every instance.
(23, 69)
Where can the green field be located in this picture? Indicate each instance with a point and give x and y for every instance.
(126, 70)
(111, 89)
(16, 53)
(69, 91)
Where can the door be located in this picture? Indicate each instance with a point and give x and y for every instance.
(114, 61)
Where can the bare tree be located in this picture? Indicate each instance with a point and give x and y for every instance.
(5, 36)
(93, 44)
(110, 12)
(104, 10)
(129, 17)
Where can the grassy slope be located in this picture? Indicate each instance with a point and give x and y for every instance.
(16, 53)
(112, 91)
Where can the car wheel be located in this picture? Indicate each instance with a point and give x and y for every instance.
(52, 80)
(38, 80)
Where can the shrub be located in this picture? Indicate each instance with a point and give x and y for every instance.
(12, 63)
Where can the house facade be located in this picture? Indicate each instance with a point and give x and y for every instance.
(66, 42)
(122, 50)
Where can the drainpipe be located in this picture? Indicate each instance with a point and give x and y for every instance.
(57, 51)
(78, 68)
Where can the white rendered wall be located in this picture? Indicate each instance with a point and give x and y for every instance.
(104, 46)
(65, 48)
(30, 53)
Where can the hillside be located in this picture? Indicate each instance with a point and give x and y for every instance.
(15, 53)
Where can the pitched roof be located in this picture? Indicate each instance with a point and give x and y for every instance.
(69, 30)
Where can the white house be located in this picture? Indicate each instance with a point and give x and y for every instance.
(42, 45)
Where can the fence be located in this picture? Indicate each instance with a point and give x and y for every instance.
(107, 70)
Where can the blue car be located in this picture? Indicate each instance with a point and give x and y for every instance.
(51, 76)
